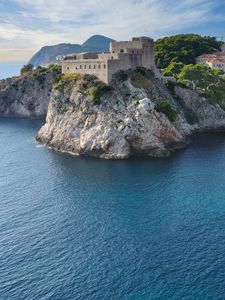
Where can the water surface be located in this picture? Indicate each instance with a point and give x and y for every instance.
(82, 228)
(10, 68)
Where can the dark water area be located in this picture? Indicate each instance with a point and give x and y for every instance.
(84, 228)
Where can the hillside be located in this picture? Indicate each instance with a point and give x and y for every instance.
(183, 48)
(47, 55)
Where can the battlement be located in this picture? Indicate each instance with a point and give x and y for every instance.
(124, 55)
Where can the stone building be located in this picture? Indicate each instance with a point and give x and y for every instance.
(122, 56)
(213, 60)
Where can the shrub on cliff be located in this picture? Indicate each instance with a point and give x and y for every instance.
(40, 70)
(165, 108)
(66, 81)
(26, 69)
(96, 91)
(56, 68)
(57, 78)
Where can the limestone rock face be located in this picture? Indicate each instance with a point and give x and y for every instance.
(201, 114)
(117, 128)
(124, 120)
(26, 96)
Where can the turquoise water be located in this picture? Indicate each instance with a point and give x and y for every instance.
(81, 228)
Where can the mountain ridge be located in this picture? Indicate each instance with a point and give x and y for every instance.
(47, 54)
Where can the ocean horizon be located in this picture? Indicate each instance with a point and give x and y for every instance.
(10, 68)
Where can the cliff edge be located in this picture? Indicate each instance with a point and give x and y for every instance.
(136, 115)
(27, 95)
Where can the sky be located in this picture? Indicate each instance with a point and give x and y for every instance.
(27, 25)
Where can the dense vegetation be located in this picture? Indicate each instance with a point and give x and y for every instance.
(177, 55)
(183, 48)
(173, 69)
(210, 83)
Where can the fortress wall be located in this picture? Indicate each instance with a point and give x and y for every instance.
(122, 56)
(105, 56)
(148, 56)
(92, 67)
(118, 46)
(125, 62)
(87, 56)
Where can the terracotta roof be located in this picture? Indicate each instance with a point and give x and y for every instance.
(205, 55)
(215, 54)
(220, 54)
(217, 61)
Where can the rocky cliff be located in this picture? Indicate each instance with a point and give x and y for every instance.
(137, 115)
(122, 124)
(128, 119)
(27, 95)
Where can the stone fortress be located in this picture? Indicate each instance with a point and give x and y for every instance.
(122, 56)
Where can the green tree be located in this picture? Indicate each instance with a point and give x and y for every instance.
(194, 74)
(200, 76)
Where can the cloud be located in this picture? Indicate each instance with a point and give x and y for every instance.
(37, 23)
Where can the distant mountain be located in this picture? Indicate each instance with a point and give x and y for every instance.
(96, 43)
(47, 55)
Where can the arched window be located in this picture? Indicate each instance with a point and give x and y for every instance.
(89, 66)
(80, 66)
(94, 66)
(104, 66)
(99, 66)
(67, 68)
(85, 66)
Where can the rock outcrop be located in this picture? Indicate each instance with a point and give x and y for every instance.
(126, 120)
(202, 115)
(136, 115)
(26, 96)
(124, 124)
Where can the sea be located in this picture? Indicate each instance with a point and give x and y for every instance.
(10, 68)
(84, 228)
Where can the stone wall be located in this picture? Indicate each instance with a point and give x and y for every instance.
(91, 66)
